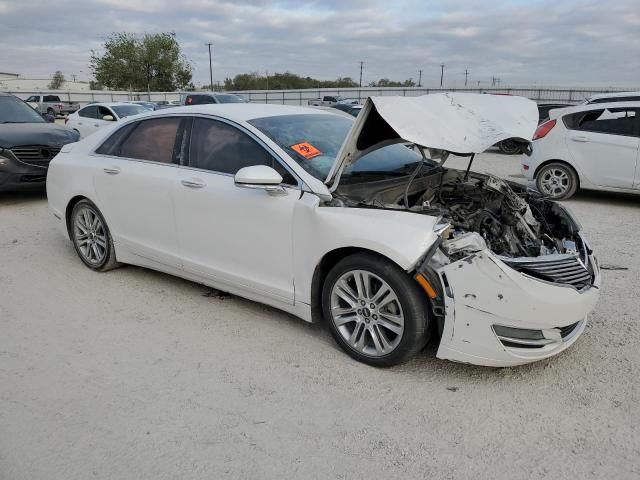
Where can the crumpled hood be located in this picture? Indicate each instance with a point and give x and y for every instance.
(50, 135)
(462, 123)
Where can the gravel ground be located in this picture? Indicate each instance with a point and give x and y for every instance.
(134, 374)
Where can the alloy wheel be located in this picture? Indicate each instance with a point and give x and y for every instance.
(555, 182)
(367, 313)
(90, 235)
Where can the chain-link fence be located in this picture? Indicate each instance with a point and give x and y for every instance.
(303, 97)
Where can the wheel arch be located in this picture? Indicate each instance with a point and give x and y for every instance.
(322, 269)
(69, 208)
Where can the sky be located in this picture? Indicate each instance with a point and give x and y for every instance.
(533, 42)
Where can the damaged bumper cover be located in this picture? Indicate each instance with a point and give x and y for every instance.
(497, 314)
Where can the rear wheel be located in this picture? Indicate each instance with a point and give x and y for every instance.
(91, 237)
(557, 181)
(51, 111)
(374, 310)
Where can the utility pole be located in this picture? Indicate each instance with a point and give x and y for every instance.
(361, 63)
(74, 77)
(266, 72)
(466, 75)
(210, 69)
(442, 65)
(420, 78)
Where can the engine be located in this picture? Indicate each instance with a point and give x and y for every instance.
(512, 221)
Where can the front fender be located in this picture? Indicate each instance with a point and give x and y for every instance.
(403, 237)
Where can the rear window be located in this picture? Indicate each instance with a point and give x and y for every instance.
(226, 98)
(614, 121)
(129, 110)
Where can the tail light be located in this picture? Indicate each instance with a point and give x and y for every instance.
(543, 129)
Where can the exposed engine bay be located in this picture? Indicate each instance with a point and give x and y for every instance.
(512, 221)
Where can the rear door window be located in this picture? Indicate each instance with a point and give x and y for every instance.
(89, 112)
(613, 121)
(152, 140)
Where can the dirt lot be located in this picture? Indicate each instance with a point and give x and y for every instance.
(134, 374)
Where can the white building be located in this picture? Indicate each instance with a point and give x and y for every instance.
(14, 82)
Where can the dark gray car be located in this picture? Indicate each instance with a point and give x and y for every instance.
(27, 144)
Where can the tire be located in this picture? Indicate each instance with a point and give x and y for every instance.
(509, 147)
(384, 331)
(51, 111)
(91, 237)
(557, 181)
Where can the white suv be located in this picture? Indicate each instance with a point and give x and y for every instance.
(592, 147)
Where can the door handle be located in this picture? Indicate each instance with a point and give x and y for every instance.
(580, 139)
(192, 183)
(112, 171)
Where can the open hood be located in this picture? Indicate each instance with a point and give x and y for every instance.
(460, 123)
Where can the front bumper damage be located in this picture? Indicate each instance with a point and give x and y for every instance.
(497, 316)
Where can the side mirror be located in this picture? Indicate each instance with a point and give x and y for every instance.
(259, 177)
(108, 118)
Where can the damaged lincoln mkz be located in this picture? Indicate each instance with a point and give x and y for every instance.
(358, 223)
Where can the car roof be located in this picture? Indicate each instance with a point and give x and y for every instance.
(242, 112)
(107, 104)
(555, 113)
(612, 95)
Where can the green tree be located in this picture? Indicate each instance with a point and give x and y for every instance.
(93, 85)
(283, 81)
(57, 80)
(151, 62)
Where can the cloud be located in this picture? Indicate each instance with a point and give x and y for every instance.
(573, 42)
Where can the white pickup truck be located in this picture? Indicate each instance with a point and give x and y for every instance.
(326, 101)
(52, 105)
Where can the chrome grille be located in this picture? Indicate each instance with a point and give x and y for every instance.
(561, 269)
(39, 155)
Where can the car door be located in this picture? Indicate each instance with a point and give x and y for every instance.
(239, 237)
(136, 173)
(604, 144)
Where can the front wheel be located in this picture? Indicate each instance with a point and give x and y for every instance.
(374, 310)
(509, 147)
(557, 181)
(91, 237)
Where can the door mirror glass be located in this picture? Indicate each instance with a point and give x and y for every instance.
(108, 118)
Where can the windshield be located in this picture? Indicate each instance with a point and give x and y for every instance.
(314, 140)
(14, 110)
(227, 98)
(128, 110)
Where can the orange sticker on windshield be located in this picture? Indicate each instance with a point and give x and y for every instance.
(307, 150)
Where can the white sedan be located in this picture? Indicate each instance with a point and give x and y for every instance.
(335, 220)
(95, 116)
(591, 147)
